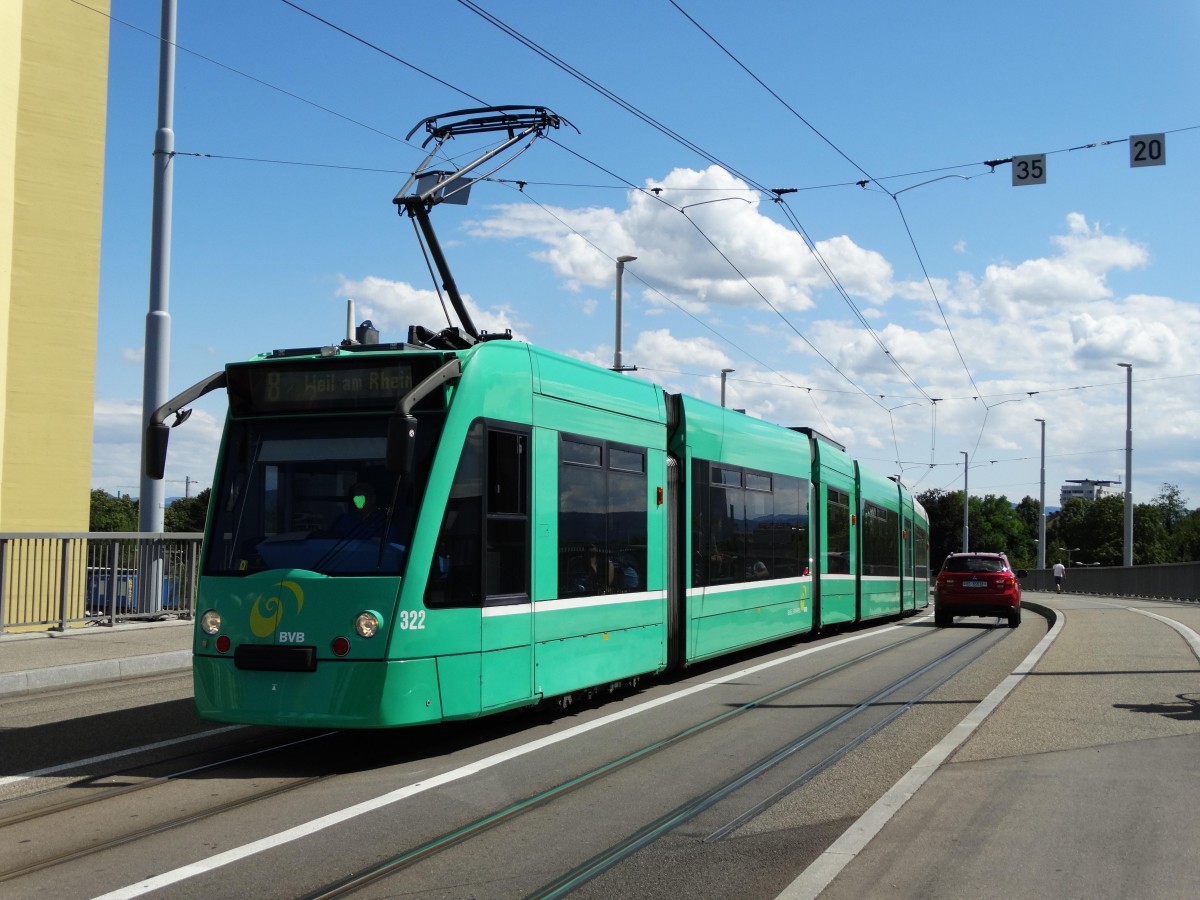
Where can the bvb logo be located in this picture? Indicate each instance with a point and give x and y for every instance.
(266, 615)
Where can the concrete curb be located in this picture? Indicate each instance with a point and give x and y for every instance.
(94, 672)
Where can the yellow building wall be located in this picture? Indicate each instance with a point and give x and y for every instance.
(53, 93)
(10, 78)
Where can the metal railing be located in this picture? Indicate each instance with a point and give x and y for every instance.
(68, 579)
(1173, 581)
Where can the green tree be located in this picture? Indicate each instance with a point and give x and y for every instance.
(945, 524)
(1186, 539)
(187, 513)
(1152, 544)
(1172, 506)
(999, 527)
(1178, 534)
(109, 513)
(1067, 529)
(994, 525)
(1103, 536)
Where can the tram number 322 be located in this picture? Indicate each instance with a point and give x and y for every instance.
(412, 620)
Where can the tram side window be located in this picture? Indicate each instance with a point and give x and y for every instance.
(908, 561)
(507, 564)
(455, 576)
(759, 528)
(881, 541)
(780, 541)
(627, 511)
(747, 525)
(602, 517)
(921, 552)
(837, 532)
(727, 527)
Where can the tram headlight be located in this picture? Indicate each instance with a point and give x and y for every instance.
(210, 622)
(367, 624)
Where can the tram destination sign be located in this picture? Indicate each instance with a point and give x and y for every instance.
(326, 385)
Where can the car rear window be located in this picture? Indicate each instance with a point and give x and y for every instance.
(973, 564)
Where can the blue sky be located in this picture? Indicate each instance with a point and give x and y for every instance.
(1007, 303)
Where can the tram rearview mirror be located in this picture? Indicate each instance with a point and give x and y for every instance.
(157, 435)
(401, 443)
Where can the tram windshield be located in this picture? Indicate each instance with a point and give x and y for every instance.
(314, 494)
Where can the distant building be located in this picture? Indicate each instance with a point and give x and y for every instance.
(1088, 489)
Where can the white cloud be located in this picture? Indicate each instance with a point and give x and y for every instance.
(191, 453)
(710, 245)
(1076, 276)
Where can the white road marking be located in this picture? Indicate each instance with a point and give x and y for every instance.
(1193, 639)
(105, 757)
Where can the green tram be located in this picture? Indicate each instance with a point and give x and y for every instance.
(401, 535)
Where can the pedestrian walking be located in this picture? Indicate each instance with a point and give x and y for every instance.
(1059, 571)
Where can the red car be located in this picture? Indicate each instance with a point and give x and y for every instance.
(977, 584)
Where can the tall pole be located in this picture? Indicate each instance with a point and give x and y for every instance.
(1041, 554)
(621, 260)
(724, 373)
(1128, 367)
(158, 320)
(966, 526)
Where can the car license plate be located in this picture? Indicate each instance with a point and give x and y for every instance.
(974, 584)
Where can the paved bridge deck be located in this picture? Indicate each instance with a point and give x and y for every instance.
(1081, 780)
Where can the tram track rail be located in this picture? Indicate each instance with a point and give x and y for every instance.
(109, 794)
(612, 856)
(103, 794)
(622, 850)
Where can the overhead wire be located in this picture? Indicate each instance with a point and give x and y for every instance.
(659, 126)
(605, 92)
(375, 47)
(387, 53)
(423, 72)
(729, 262)
(395, 138)
(647, 285)
(241, 73)
(895, 198)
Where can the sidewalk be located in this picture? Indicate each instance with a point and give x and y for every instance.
(1082, 781)
(44, 660)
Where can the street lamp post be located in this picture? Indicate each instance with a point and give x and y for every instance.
(1069, 551)
(617, 365)
(1128, 367)
(966, 526)
(724, 373)
(156, 366)
(1041, 554)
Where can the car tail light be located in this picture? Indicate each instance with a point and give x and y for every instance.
(340, 646)
(223, 644)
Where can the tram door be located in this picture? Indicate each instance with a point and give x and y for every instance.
(676, 593)
(506, 666)
(908, 583)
